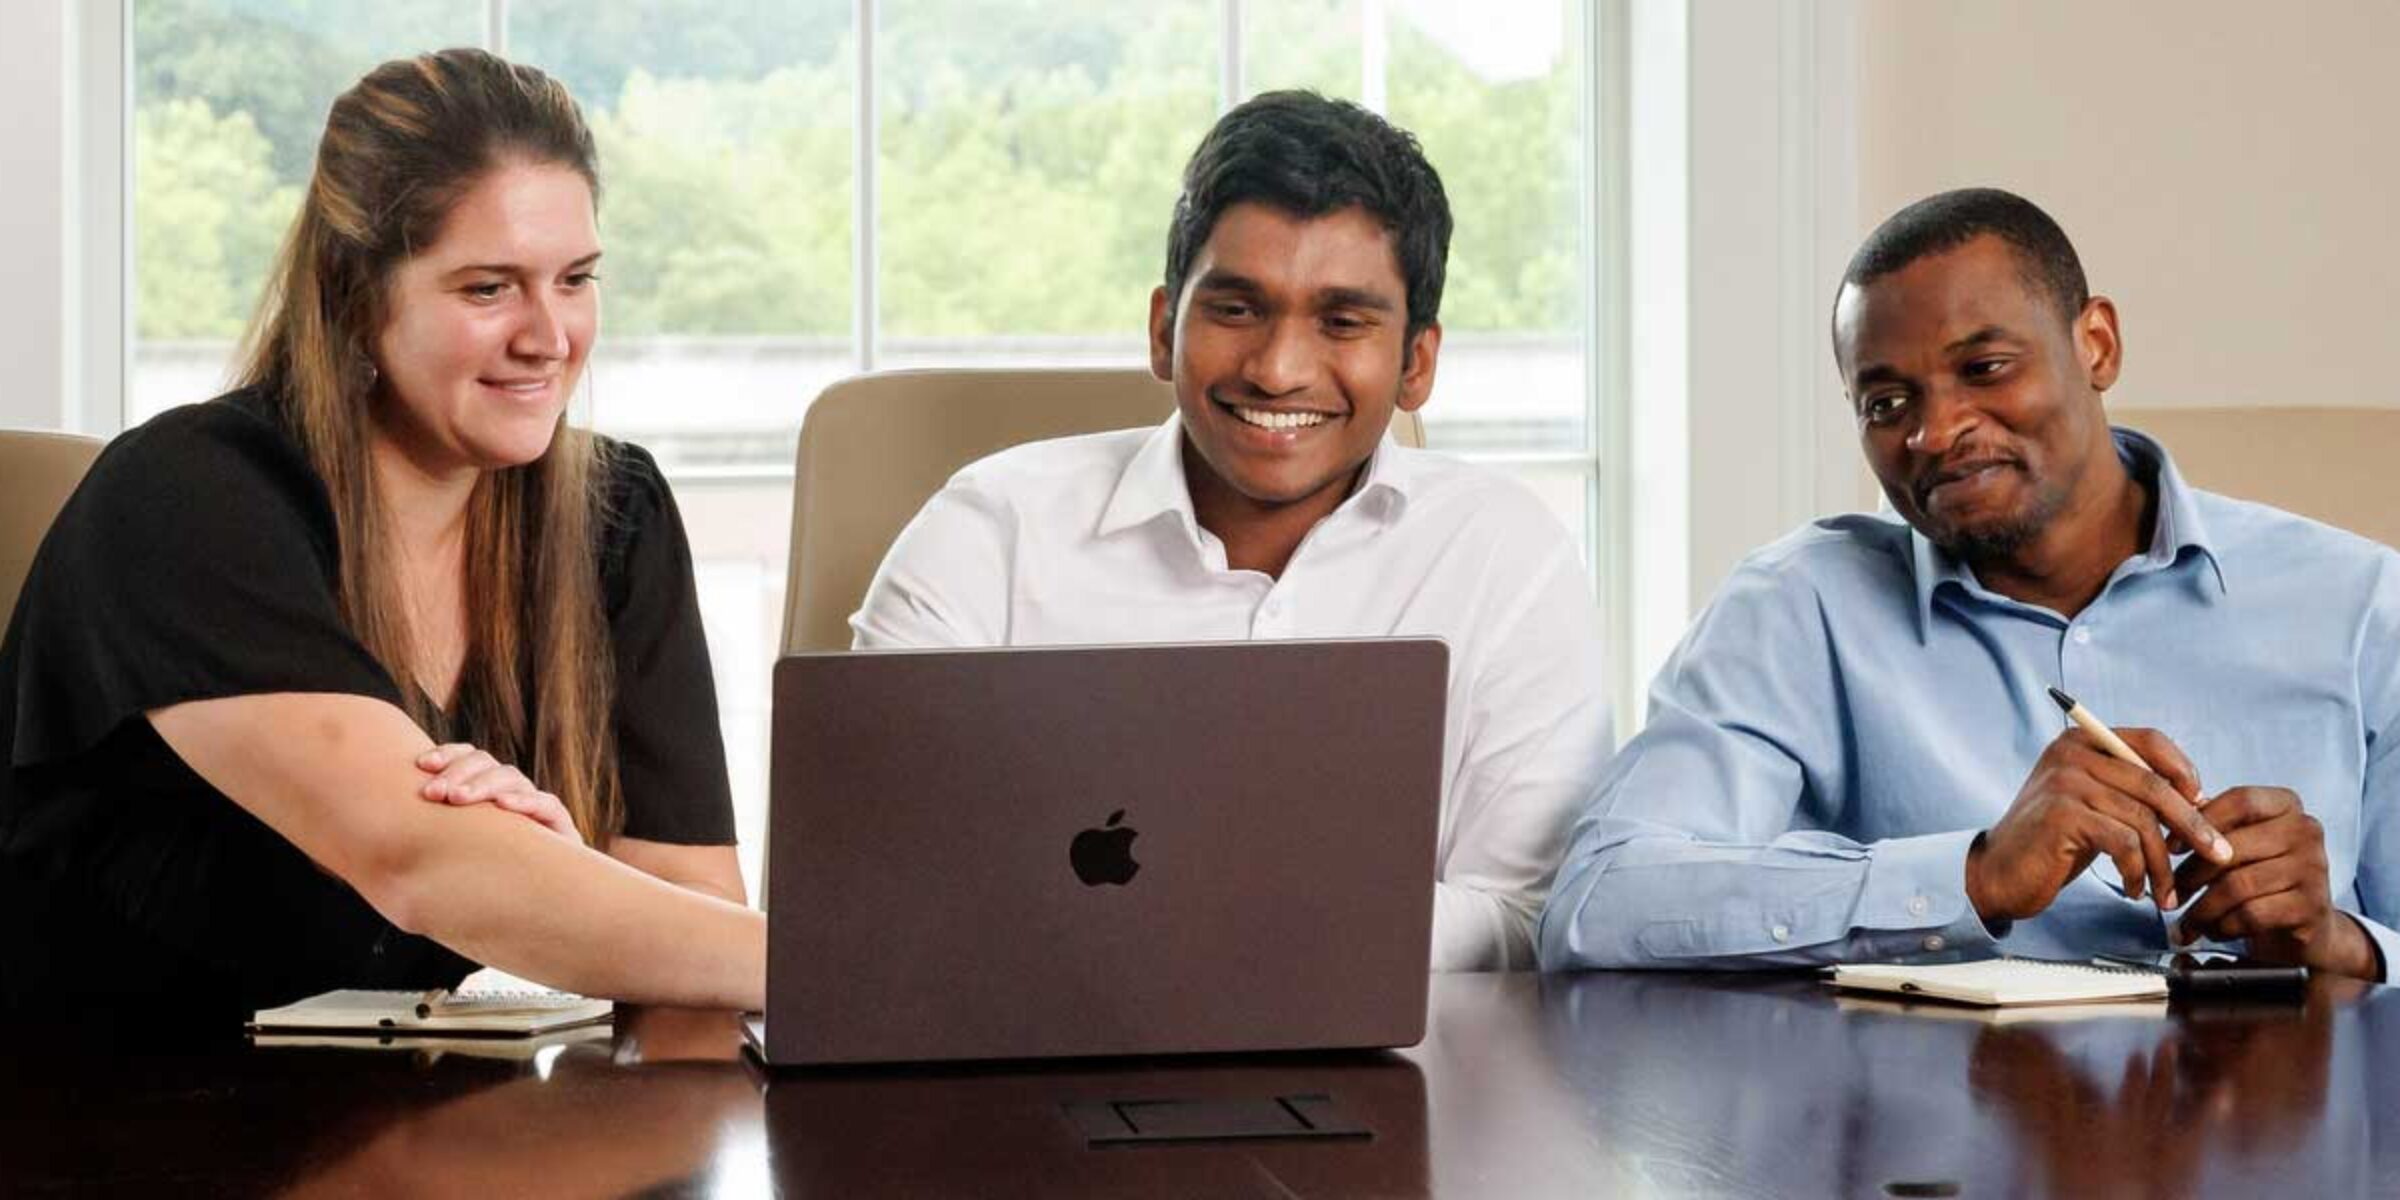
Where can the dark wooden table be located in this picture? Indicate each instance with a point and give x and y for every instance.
(1597, 1085)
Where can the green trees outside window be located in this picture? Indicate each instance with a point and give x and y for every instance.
(1027, 153)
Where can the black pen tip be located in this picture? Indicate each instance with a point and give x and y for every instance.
(2066, 703)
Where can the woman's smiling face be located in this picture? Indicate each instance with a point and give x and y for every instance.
(487, 329)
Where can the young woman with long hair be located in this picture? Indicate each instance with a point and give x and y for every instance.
(375, 668)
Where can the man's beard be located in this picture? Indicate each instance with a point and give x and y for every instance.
(2002, 537)
(1993, 540)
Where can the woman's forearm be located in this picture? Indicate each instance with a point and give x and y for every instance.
(714, 870)
(336, 776)
(501, 890)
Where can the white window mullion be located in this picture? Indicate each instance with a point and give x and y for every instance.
(1229, 54)
(99, 220)
(1657, 266)
(495, 26)
(863, 141)
(1608, 342)
(1374, 54)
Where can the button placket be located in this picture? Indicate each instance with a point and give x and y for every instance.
(1267, 620)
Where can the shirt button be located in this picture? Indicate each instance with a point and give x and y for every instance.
(1781, 933)
(1917, 905)
(2083, 636)
(1934, 942)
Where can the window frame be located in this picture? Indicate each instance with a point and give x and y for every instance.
(101, 347)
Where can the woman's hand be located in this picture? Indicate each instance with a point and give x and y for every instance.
(463, 774)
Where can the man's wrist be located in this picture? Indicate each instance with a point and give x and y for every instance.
(2356, 953)
(1974, 883)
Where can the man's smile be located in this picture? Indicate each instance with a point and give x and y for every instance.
(1968, 475)
(1274, 419)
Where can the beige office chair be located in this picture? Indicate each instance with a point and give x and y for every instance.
(38, 471)
(876, 447)
(2337, 465)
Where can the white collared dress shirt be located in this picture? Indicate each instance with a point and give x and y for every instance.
(1094, 539)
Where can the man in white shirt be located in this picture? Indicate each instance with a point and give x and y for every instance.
(1303, 286)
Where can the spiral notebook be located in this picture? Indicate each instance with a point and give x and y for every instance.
(2001, 982)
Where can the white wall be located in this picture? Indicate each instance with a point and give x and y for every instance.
(1772, 213)
(33, 157)
(2226, 168)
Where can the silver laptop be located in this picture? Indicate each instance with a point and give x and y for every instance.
(1082, 851)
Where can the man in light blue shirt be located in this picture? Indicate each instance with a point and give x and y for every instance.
(1853, 755)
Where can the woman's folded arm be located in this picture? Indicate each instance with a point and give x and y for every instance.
(335, 775)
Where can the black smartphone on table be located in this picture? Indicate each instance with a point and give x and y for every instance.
(2217, 973)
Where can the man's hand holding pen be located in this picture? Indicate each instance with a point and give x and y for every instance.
(2081, 803)
(2258, 872)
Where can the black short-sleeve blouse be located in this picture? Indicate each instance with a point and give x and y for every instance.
(198, 560)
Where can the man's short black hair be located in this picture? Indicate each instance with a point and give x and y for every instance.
(1949, 220)
(1309, 156)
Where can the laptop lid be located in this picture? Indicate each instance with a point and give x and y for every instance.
(1031, 853)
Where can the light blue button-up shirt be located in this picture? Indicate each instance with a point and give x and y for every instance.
(1853, 708)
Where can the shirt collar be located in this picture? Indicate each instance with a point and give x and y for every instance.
(1152, 484)
(2179, 528)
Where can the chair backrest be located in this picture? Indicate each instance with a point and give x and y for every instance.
(38, 471)
(876, 447)
(2336, 465)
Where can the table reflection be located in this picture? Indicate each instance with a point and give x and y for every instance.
(658, 1106)
(1603, 1084)
(1779, 1087)
(1002, 1130)
(2143, 1114)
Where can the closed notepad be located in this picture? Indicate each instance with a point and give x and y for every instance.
(518, 1013)
(506, 1047)
(1917, 1008)
(2006, 981)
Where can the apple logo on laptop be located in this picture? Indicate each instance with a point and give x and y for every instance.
(1105, 854)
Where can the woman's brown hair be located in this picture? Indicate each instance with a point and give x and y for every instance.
(400, 149)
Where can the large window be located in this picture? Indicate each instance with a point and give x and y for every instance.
(1006, 204)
